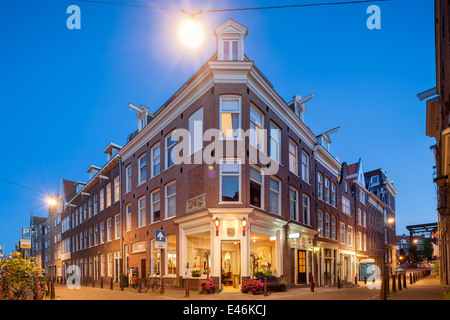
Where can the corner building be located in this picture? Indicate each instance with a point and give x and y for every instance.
(229, 219)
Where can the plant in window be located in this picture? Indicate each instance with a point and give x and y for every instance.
(196, 273)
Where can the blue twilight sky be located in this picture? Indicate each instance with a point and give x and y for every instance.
(64, 93)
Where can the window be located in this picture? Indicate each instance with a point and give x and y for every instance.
(95, 204)
(196, 246)
(156, 160)
(346, 206)
(306, 213)
(293, 203)
(102, 199)
(230, 180)
(358, 217)
(364, 242)
(364, 219)
(117, 226)
(256, 126)
(138, 247)
(256, 187)
(171, 156)
(90, 237)
(293, 157)
(275, 189)
(333, 227)
(327, 225)
(96, 235)
(319, 186)
(171, 200)
(305, 166)
(102, 232)
(342, 234)
(108, 230)
(128, 217)
(333, 194)
(156, 210)
(327, 190)
(362, 196)
(110, 264)
(90, 209)
(374, 180)
(142, 173)
(141, 212)
(320, 222)
(230, 116)
(171, 255)
(108, 195)
(85, 240)
(275, 143)
(196, 131)
(350, 235)
(116, 189)
(128, 178)
(230, 50)
(359, 240)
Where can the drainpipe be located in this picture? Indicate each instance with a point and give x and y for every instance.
(121, 218)
(314, 262)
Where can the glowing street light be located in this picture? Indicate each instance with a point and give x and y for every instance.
(191, 33)
(51, 201)
(391, 220)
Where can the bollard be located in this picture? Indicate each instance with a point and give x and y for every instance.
(404, 281)
(93, 282)
(52, 290)
(410, 278)
(85, 281)
(394, 290)
(383, 293)
(311, 282)
(356, 279)
(365, 279)
(265, 287)
(121, 283)
(111, 284)
(162, 285)
(387, 283)
(339, 282)
(101, 283)
(187, 288)
(400, 282)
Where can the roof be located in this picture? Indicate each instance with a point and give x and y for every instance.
(69, 189)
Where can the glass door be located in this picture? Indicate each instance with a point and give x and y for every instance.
(230, 265)
(301, 266)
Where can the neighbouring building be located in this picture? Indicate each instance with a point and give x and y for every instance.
(438, 127)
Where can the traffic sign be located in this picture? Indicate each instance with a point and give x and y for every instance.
(25, 234)
(160, 239)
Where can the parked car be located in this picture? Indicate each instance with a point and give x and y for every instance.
(399, 271)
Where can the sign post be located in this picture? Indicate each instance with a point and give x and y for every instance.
(25, 239)
(160, 243)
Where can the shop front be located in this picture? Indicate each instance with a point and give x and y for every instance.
(229, 245)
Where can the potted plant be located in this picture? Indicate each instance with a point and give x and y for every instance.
(206, 286)
(196, 273)
(256, 287)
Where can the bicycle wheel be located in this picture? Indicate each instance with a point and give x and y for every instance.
(156, 284)
(145, 285)
(133, 282)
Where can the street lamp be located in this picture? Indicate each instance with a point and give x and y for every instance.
(191, 32)
(51, 200)
(217, 224)
(244, 226)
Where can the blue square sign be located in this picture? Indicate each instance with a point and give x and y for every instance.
(160, 239)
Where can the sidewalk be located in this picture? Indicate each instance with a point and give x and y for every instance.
(428, 288)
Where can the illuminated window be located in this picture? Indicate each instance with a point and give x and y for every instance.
(230, 116)
(293, 157)
(256, 127)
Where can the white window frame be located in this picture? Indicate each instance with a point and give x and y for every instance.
(306, 221)
(116, 189)
(256, 133)
(275, 155)
(128, 216)
(168, 148)
(305, 166)
(237, 132)
(142, 169)
(117, 226)
(167, 197)
(293, 155)
(260, 183)
(222, 162)
(296, 201)
(128, 178)
(278, 194)
(154, 158)
(152, 203)
(142, 210)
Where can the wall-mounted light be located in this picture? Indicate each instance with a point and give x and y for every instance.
(217, 224)
(244, 226)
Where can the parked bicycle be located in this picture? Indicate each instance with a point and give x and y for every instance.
(151, 281)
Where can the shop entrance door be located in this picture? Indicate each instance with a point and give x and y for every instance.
(301, 266)
(230, 266)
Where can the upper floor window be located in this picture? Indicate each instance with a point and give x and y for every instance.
(196, 131)
(346, 206)
(256, 127)
(320, 222)
(128, 172)
(275, 142)
(275, 195)
(171, 200)
(256, 187)
(171, 156)
(293, 157)
(155, 206)
(230, 180)
(327, 190)
(293, 203)
(333, 227)
(116, 189)
(156, 160)
(230, 50)
(142, 173)
(320, 186)
(141, 212)
(108, 194)
(305, 166)
(102, 199)
(95, 204)
(230, 116)
(362, 196)
(327, 225)
(333, 194)
(117, 226)
(128, 217)
(306, 208)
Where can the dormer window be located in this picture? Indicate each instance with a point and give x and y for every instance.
(230, 41)
(142, 122)
(230, 50)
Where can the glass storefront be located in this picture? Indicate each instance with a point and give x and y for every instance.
(263, 255)
(198, 248)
